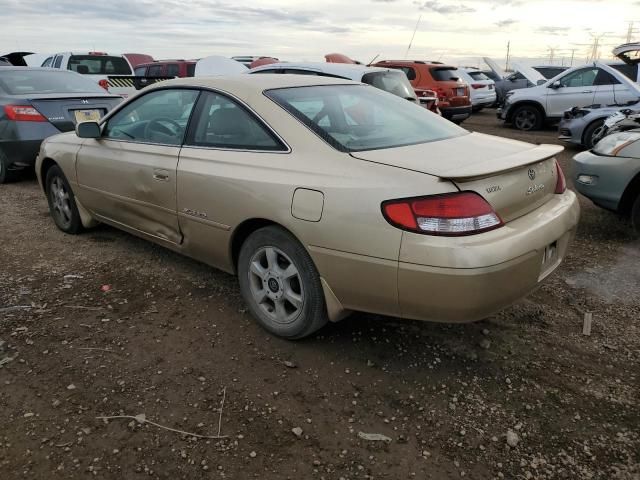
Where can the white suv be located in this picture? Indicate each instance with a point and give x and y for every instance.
(597, 83)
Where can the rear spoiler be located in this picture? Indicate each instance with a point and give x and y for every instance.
(129, 81)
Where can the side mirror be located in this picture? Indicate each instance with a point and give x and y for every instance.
(88, 130)
(555, 85)
(541, 82)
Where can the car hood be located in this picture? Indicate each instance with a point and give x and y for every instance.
(529, 73)
(494, 67)
(217, 65)
(467, 156)
(628, 53)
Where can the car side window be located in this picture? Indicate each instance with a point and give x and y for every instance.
(516, 76)
(221, 122)
(605, 78)
(155, 71)
(408, 71)
(57, 61)
(158, 117)
(47, 62)
(273, 70)
(585, 77)
(140, 71)
(173, 70)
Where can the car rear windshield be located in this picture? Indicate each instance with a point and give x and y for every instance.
(99, 65)
(391, 81)
(191, 69)
(353, 118)
(19, 82)
(443, 74)
(478, 76)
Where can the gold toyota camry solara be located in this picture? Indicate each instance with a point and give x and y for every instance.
(323, 195)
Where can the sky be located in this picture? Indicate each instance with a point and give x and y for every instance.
(452, 31)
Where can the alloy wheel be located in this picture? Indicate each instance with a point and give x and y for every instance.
(526, 119)
(276, 285)
(60, 202)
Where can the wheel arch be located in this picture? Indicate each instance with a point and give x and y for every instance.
(631, 192)
(584, 130)
(521, 103)
(335, 309)
(46, 165)
(242, 232)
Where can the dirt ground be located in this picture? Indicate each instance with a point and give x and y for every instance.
(172, 340)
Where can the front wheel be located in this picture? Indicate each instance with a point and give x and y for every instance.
(593, 133)
(527, 117)
(280, 284)
(62, 203)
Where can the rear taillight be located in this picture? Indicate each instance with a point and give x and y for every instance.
(450, 214)
(23, 113)
(561, 183)
(104, 84)
(476, 86)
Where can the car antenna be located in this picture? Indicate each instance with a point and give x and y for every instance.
(413, 36)
(373, 60)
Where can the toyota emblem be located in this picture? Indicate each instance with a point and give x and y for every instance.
(532, 174)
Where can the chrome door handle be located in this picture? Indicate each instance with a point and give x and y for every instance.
(587, 91)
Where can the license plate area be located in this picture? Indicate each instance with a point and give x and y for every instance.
(550, 259)
(87, 115)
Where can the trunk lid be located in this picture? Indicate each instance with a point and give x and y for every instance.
(65, 111)
(629, 53)
(514, 177)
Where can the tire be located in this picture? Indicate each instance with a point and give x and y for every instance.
(526, 118)
(592, 129)
(280, 284)
(6, 175)
(635, 216)
(62, 203)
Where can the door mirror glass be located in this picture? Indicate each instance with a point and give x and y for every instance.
(555, 85)
(88, 130)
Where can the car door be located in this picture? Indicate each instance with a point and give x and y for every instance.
(610, 91)
(575, 89)
(227, 149)
(128, 176)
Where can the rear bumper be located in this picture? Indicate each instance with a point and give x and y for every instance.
(456, 114)
(20, 141)
(454, 279)
(484, 100)
(462, 288)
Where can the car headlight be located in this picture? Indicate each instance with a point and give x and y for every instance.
(612, 144)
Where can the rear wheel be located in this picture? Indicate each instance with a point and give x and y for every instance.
(6, 175)
(280, 284)
(592, 133)
(62, 203)
(527, 117)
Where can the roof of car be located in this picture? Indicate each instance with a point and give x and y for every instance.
(347, 70)
(419, 62)
(247, 84)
